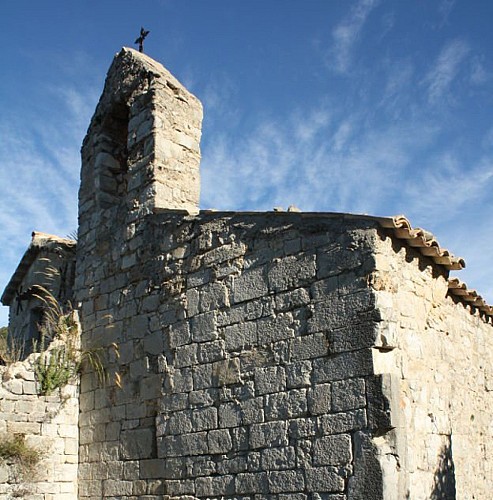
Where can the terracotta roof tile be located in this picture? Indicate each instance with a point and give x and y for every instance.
(427, 245)
(423, 240)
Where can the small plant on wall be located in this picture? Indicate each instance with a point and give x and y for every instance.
(15, 449)
(60, 355)
(11, 349)
(22, 458)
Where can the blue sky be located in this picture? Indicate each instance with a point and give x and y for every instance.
(367, 106)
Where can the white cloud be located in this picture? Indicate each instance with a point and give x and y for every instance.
(445, 69)
(446, 190)
(346, 33)
(39, 173)
(479, 74)
(340, 165)
(444, 9)
(346, 164)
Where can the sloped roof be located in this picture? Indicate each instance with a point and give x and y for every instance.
(423, 240)
(426, 243)
(40, 241)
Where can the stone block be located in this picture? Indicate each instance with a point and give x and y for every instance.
(353, 337)
(343, 366)
(180, 488)
(348, 421)
(205, 397)
(268, 434)
(302, 428)
(332, 450)
(178, 423)
(131, 470)
(298, 374)
(192, 302)
(226, 372)
(366, 480)
(137, 444)
(277, 328)
(173, 402)
(288, 301)
(202, 376)
(213, 296)
(291, 272)
(112, 488)
(183, 445)
(214, 486)
(337, 311)
(286, 405)
(29, 388)
(204, 419)
(219, 441)
(252, 411)
(286, 480)
(240, 335)
(186, 355)
(232, 466)
(180, 380)
(319, 399)
(154, 343)
(253, 483)
(250, 285)
(322, 479)
(270, 379)
(247, 311)
(348, 394)
(310, 346)
(209, 352)
(203, 327)
(278, 459)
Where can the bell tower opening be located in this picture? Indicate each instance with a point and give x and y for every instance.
(112, 156)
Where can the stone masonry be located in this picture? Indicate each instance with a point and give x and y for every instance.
(262, 356)
(49, 424)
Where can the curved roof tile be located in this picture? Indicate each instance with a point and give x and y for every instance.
(427, 245)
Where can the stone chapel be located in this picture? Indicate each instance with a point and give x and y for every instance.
(260, 355)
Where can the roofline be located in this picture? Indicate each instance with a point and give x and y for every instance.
(400, 227)
(39, 241)
(421, 240)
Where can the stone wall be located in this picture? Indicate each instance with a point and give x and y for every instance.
(441, 353)
(48, 424)
(260, 356)
(245, 360)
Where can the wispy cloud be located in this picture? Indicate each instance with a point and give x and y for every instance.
(445, 69)
(348, 163)
(444, 9)
(39, 172)
(340, 165)
(479, 74)
(346, 33)
(446, 189)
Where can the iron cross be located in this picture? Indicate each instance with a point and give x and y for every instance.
(140, 40)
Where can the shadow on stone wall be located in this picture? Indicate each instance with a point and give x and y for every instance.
(444, 484)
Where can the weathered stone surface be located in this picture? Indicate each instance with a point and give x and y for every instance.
(332, 450)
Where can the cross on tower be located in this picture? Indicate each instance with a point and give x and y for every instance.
(140, 40)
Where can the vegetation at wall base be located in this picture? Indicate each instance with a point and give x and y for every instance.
(14, 449)
(11, 349)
